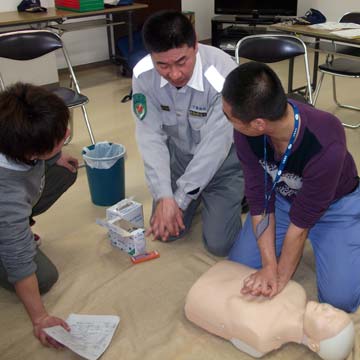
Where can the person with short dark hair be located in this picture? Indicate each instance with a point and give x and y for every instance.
(301, 182)
(34, 173)
(183, 136)
(167, 30)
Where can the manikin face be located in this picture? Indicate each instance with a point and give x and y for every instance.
(176, 65)
(323, 321)
(245, 128)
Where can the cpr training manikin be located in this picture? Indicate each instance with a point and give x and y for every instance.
(258, 325)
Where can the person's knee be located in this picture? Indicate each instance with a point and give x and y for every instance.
(217, 249)
(69, 177)
(61, 177)
(218, 240)
(57, 181)
(348, 299)
(217, 245)
(47, 279)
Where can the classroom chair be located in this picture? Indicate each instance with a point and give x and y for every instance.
(271, 48)
(342, 67)
(27, 45)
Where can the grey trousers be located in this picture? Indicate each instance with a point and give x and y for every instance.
(221, 201)
(57, 180)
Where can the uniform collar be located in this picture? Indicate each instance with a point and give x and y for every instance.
(196, 80)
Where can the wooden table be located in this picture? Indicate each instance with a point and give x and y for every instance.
(325, 41)
(56, 19)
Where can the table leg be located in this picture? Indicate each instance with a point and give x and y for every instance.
(130, 31)
(110, 37)
(290, 76)
(316, 63)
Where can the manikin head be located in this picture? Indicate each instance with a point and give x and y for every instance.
(171, 41)
(258, 325)
(328, 331)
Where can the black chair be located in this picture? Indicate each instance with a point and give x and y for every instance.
(271, 48)
(342, 67)
(31, 44)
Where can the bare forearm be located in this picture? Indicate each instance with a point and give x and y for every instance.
(291, 252)
(264, 281)
(266, 242)
(274, 275)
(28, 292)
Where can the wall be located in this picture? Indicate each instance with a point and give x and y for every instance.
(80, 49)
(83, 51)
(204, 11)
(43, 70)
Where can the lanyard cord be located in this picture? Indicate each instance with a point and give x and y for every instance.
(283, 160)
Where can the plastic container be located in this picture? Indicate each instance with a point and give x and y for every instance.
(105, 169)
(79, 5)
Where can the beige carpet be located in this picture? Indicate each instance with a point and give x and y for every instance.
(96, 278)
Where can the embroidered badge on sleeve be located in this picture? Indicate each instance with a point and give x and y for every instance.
(139, 105)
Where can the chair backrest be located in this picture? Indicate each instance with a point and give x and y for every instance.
(271, 48)
(351, 17)
(28, 44)
(31, 44)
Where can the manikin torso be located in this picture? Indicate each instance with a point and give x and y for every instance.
(258, 325)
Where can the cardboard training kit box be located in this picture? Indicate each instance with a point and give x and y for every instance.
(125, 222)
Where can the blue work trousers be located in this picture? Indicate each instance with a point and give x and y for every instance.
(335, 240)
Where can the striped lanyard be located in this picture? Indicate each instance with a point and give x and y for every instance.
(283, 160)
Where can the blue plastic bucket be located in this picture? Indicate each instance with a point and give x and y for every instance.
(105, 169)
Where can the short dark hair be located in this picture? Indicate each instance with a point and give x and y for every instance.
(253, 90)
(32, 121)
(166, 30)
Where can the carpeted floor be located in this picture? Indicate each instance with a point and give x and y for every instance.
(96, 278)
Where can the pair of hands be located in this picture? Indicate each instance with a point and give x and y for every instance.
(45, 322)
(265, 282)
(68, 162)
(166, 221)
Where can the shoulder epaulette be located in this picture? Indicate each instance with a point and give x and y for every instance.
(215, 79)
(145, 64)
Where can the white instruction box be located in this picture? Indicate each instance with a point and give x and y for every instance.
(125, 222)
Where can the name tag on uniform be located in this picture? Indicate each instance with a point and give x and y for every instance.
(165, 107)
(197, 113)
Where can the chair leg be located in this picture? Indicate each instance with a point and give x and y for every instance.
(351, 107)
(127, 97)
(71, 127)
(88, 124)
(317, 90)
(2, 84)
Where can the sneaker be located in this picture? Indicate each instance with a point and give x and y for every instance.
(37, 240)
